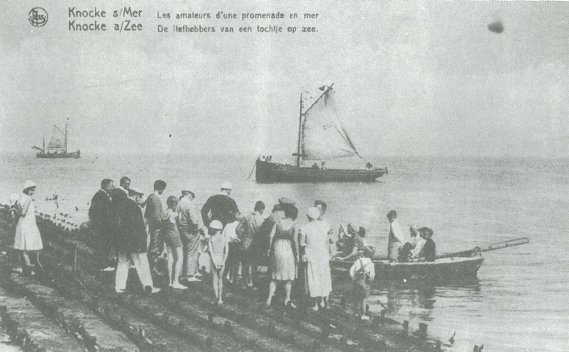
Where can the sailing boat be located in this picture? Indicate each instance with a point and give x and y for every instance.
(321, 137)
(57, 147)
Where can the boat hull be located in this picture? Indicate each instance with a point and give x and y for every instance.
(267, 172)
(439, 270)
(75, 155)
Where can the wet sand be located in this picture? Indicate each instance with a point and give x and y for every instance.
(71, 307)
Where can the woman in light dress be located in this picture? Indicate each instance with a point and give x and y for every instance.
(28, 238)
(283, 253)
(314, 240)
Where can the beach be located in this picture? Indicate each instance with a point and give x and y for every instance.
(517, 303)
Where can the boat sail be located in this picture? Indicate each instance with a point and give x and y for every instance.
(57, 146)
(321, 137)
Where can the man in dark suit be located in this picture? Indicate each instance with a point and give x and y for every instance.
(132, 244)
(153, 213)
(101, 219)
(220, 207)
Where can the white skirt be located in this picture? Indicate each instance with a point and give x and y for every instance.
(318, 279)
(28, 237)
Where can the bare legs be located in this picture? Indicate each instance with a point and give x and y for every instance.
(175, 266)
(273, 288)
(217, 278)
(31, 262)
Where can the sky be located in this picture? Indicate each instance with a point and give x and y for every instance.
(411, 78)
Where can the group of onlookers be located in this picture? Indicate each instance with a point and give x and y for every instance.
(130, 230)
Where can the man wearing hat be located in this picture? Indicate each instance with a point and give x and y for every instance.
(190, 226)
(220, 206)
(102, 222)
(153, 214)
(132, 244)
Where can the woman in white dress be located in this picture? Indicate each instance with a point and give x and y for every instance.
(314, 240)
(28, 237)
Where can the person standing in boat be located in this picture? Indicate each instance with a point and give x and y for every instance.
(103, 222)
(396, 237)
(27, 239)
(220, 206)
(429, 251)
(153, 213)
(250, 231)
(132, 244)
(284, 254)
(316, 255)
(190, 226)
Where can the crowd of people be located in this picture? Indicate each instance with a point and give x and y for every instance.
(131, 230)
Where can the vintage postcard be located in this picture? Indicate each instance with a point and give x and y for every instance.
(284, 175)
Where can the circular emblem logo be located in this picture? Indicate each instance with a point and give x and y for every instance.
(37, 16)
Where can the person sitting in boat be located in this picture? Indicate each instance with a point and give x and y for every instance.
(429, 251)
(411, 249)
(369, 165)
(417, 240)
(315, 166)
(352, 246)
(323, 166)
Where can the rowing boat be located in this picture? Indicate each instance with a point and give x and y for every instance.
(441, 269)
(457, 265)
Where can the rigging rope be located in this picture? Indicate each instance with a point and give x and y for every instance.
(255, 164)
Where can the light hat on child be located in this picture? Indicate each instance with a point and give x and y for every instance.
(216, 225)
(313, 213)
(29, 184)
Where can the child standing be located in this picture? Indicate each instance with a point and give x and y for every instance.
(362, 273)
(218, 248)
(174, 245)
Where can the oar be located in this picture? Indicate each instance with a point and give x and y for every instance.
(492, 247)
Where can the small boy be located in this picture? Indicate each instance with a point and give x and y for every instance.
(362, 273)
(218, 248)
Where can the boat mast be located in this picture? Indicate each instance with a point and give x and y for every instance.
(43, 150)
(299, 133)
(65, 145)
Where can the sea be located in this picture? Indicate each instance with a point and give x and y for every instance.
(517, 303)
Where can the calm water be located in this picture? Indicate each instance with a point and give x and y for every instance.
(519, 300)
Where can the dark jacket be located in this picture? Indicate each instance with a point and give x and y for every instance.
(221, 207)
(153, 211)
(131, 230)
(101, 212)
(429, 251)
